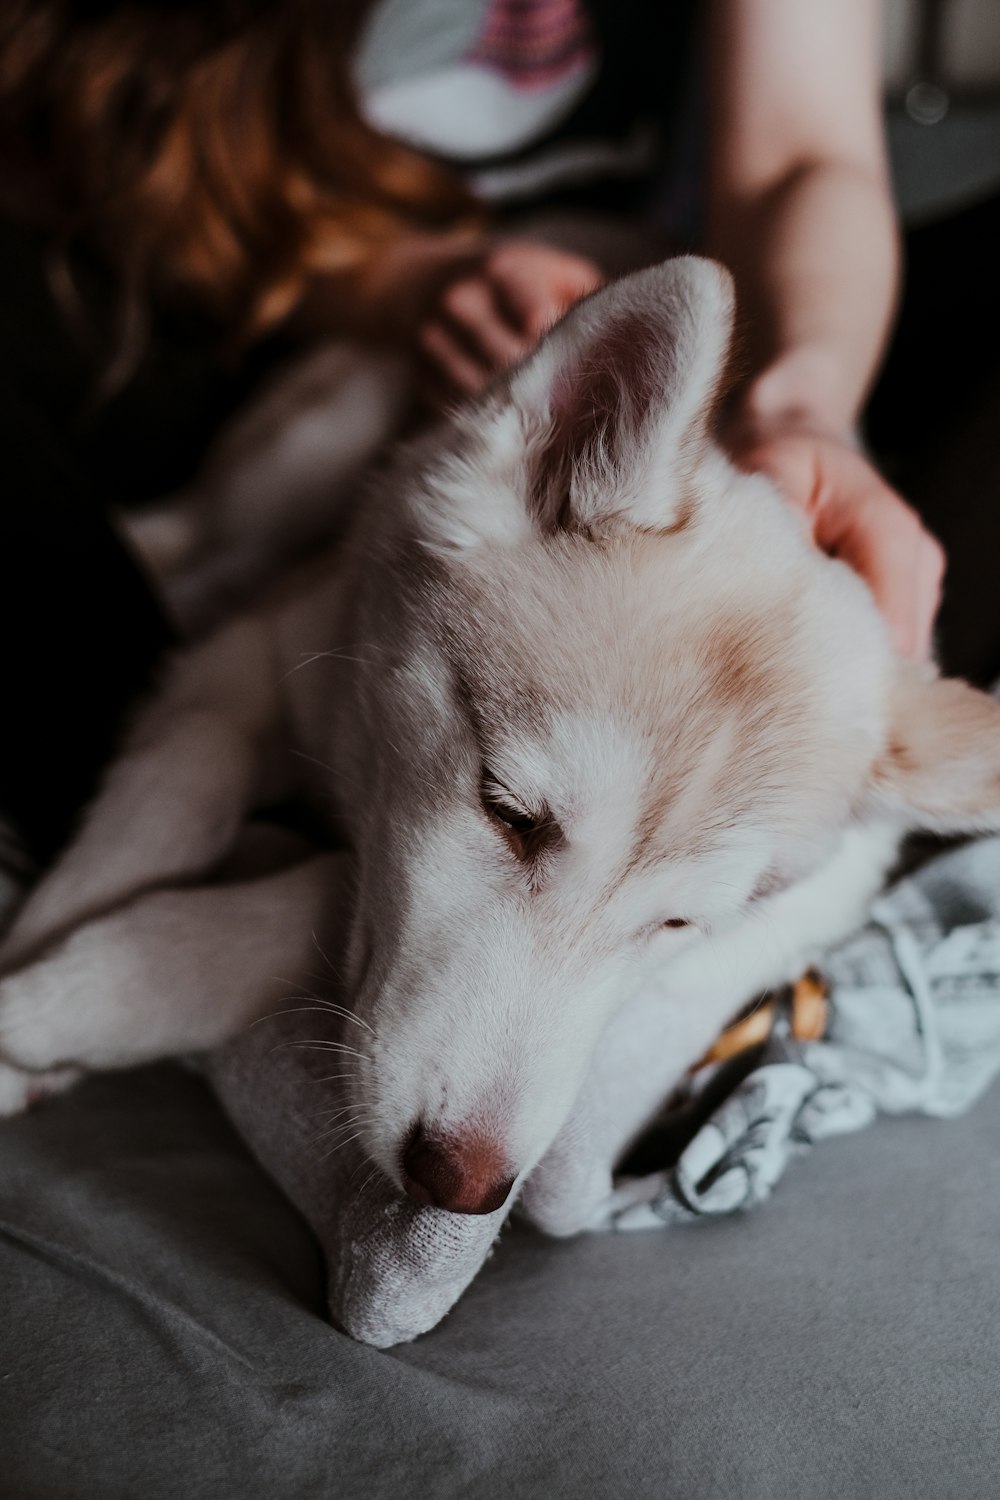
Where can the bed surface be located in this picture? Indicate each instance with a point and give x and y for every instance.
(163, 1331)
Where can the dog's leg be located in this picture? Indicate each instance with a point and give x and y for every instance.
(173, 971)
(173, 802)
(283, 476)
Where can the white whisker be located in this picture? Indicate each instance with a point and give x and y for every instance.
(334, 1130)
(309, 657)
(318, 1045)
(344, 1109)
(338, 973)
(340, 1146)
(319, 1007)
(368, 1180)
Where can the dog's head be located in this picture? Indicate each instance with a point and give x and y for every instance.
(617, 700)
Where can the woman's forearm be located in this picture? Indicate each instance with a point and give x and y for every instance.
(816, 265)
(799, 203)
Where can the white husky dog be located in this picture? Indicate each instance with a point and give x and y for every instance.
(591, 714)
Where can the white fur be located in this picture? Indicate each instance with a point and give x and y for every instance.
(569, 585)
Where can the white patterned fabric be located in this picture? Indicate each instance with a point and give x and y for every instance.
(914, 1027)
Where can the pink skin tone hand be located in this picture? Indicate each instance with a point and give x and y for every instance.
(494, 313)
(851, 513)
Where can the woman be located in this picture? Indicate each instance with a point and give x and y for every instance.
(204, 184)
(799, 207)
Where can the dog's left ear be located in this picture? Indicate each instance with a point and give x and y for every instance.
(941, 767)
(604, 424)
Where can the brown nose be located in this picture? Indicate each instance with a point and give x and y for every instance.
(464, 1173)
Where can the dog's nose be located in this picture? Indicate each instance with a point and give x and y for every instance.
(465, 1173)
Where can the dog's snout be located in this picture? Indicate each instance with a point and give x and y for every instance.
(465, 1172)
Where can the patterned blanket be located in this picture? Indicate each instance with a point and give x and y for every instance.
(913, 1027)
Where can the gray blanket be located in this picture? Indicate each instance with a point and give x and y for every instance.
(162, 1329)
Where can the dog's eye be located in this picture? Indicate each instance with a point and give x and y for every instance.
(648, 933)
(527, 832)
(518, 822)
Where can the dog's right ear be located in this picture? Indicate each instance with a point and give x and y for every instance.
(941, 766)
(603, 425)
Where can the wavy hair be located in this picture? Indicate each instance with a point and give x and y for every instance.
(212, 151)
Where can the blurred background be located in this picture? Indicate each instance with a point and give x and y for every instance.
(934, 419)
(942, 78)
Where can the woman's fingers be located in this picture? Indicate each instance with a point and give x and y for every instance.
(852, 514)
(882, 539)
(535, 285)
(489, 319)
(470, 306)
(450, 360)
(469, 341)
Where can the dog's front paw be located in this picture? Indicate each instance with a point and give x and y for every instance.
(20, 1090)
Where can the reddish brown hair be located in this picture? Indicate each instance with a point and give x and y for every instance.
(211, 150)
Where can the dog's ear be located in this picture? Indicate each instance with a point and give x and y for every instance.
(941, 767)
(605, 422)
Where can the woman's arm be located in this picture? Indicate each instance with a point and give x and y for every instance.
(799, 202)
(800, 209)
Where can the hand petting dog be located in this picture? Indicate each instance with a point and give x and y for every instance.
(851, 513)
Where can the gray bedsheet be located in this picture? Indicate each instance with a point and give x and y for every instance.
(162, 1333)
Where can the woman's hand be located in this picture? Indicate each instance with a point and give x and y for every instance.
(494, 313)
(852, 514)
